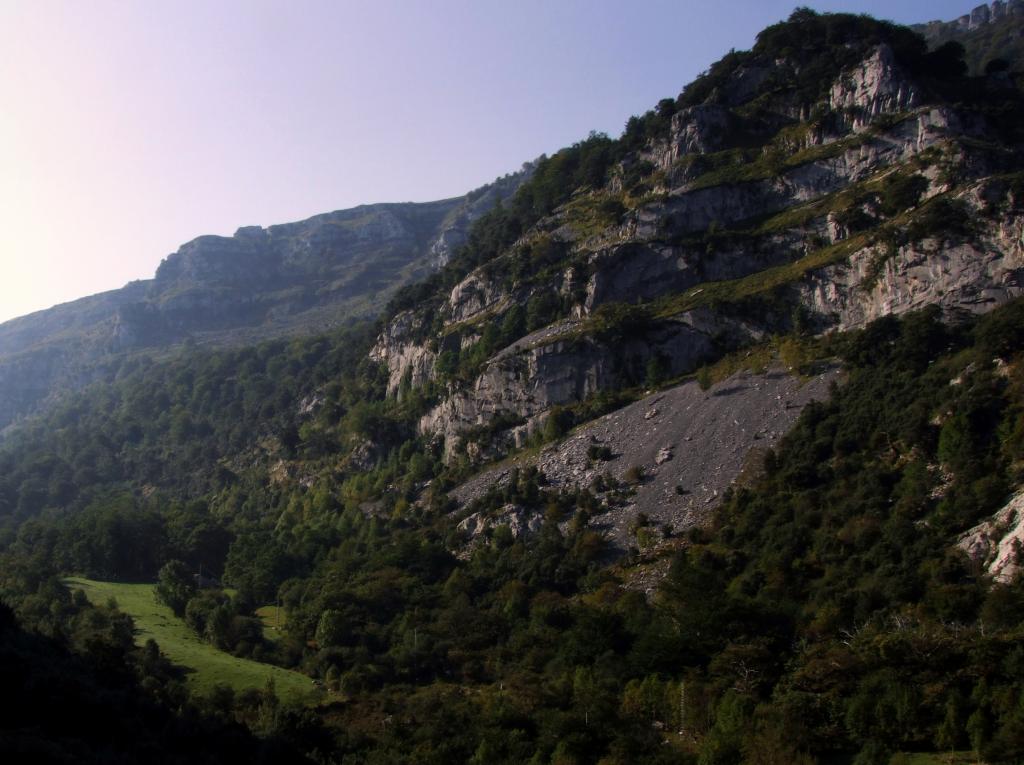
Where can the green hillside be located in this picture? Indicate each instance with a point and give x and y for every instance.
(207, 665)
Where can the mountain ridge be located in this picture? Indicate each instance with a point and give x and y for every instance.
(992, 34)
(301, 277)
(821, 213)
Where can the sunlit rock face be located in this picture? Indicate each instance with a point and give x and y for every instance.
(782, 202)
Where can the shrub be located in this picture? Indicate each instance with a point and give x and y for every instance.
(558, 423)
(634, 475)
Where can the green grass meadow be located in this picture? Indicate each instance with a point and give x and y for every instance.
(273, 622)
(206, 665)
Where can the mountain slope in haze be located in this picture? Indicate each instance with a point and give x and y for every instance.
(294, 278)
(990, 34)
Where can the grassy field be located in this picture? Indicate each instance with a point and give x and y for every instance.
(273, 622)
(207, 665)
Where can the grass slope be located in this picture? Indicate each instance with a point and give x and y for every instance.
(207, 665)
(273, 622)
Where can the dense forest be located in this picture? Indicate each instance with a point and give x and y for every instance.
(824, 610)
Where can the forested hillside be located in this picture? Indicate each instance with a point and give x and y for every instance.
(469, 574)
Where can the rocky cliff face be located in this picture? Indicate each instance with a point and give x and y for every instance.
(405, 359)
(988, 32)
(825, 215)
(997, 545)
(981, 16)
(973, 275)
(878, 86)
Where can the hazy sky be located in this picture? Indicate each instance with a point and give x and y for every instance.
(128, 128)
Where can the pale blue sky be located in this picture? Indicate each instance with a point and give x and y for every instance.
(128, 128)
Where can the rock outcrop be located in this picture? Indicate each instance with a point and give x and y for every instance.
(519, 521)
(997, 545)
(878, 86)
(974, 275)
(405, 359)
(698, 129)
(874, 128)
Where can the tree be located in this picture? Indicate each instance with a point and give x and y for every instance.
(724, 742)
(175, 586)
(704, 379)
(949, 732)
(979, 729)
(558, 422)
(997, 65)
(874, 752)
(331, 629)
(658, 370)
(218, 626)
(585, 691)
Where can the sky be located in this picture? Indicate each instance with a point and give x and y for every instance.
(129, 127)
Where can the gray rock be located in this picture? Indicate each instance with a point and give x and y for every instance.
(997, 544)
(710, 453)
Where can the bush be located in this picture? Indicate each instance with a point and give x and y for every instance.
(658, 370)
(557, 424)
(614, 322)
(634, 475)
(175, 586)
(704, 379)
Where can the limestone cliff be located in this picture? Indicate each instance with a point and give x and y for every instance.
(878, 197)
(989, 32)
(997, 545)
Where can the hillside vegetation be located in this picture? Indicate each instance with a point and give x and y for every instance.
(825, 593)
(206, 666)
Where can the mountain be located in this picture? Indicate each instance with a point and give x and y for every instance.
(707, 446)
(989, 33)
(777, 192)
(289, 279)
